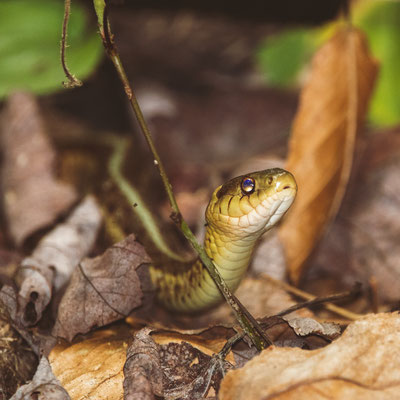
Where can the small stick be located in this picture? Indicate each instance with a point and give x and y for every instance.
(304, 295)
(322, 300)
(72, 81)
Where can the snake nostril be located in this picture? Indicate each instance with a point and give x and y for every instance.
(286, 187)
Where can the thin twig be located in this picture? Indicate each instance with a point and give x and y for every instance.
(249, 325)
(322, 300)
(72, 81)
(304, 295)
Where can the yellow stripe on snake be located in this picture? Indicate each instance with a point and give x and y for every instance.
(239, 212)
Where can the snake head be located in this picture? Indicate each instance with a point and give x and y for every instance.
(251, 204)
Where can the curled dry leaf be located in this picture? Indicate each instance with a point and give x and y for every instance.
(143, 376)
(52, 262)
(38, 342)
(332, 107)
(362, 364)
(102, 289)
(44, 385)
(33, 198)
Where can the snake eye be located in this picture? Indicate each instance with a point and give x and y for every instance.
(248, 185)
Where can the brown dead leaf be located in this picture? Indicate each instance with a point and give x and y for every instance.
(331, 110)
(362, 364)
(51, 264)
(142, 369)
(44, 385)
(190, 373)
(33, 198)
(93, 368)
(102, 290)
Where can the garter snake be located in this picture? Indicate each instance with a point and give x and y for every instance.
(239, 212)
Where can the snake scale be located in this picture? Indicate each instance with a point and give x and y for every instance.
(239, 212)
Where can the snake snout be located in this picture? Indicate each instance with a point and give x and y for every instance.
(285, 182)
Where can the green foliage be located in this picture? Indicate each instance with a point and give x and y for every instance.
(381, 23)
(281, 57)
(30, 34)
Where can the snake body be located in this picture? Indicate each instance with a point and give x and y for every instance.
(239, 212)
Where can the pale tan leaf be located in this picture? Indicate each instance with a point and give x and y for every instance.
(362, 364)
(92, 369)
(332, 106)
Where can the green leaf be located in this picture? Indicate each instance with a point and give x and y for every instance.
(282, 57)
(380, 20)
(30, 34)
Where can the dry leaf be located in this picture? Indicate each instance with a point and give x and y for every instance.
(332, 107)
(190, 373)
(102, 290)
(44, 385)
(33, 198)
(362, 364)
(51, 264)
(308, 326)
(142, 369)
(92, 369)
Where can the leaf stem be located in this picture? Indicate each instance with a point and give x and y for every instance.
(246, 321)
(72, 81)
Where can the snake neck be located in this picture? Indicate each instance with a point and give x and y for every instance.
(230, 252)
(193, 289)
